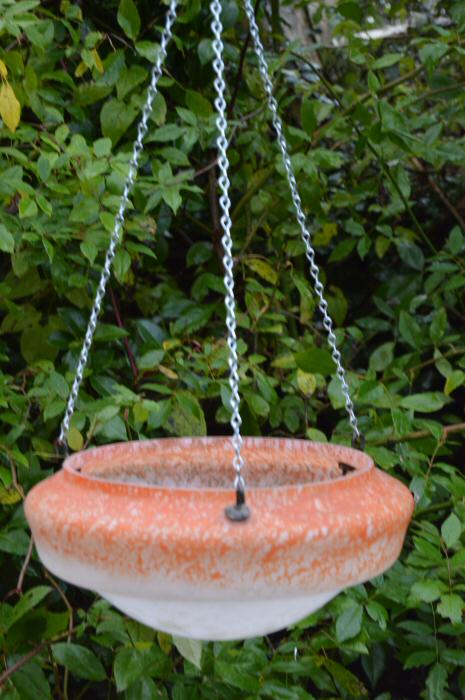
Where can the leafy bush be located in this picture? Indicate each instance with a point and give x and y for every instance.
(376, 129)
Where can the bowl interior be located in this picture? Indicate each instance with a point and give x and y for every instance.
(207, 462)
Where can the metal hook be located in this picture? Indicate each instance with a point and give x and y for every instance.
(240, 511)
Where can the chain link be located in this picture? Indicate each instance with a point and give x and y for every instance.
(119, 220)
(225, 204)
(301, 219)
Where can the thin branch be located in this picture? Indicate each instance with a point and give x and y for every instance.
(14, 478)
(69, 607)
(435, 507)
(31, 654)
(206, 168)
(432, 361)
(127, 346)
(22, 573)
(240, 69)
(418, 434)
(419, 167)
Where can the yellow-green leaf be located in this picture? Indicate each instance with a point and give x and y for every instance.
(97, 61)
(326, 234)
(10, 109)
(9, 497)
(306, 382)
(80, 70)
(3, 70)
(75, 439)
(263, 269)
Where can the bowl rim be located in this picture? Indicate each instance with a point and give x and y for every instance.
(73, 465)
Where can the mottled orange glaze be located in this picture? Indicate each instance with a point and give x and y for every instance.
(148, 518)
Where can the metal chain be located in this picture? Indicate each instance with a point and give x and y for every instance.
(225, 203)
(306, 238)
(119, 220)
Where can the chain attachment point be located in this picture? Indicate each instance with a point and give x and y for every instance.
(240, 511)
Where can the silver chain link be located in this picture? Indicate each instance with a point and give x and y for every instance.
(225, 204)
(301, 219)
(119, 220)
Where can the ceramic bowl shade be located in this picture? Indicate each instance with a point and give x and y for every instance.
(143, 524)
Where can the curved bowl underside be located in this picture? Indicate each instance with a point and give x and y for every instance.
(143, 523)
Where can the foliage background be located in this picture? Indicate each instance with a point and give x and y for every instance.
(377, 134)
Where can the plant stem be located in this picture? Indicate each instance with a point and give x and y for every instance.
(31, 654)
(418, 434)
(129, 353)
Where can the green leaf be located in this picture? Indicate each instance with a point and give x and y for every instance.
(172, 197)
(306, 382)
(349, 623)
(7, 242)
(451, 530)
(453, 656)
(151, 359)
(431, 53)
(315, 360)
(27, 208)
(31, 683)
(386, 61)
(411, 255)
(132, 664)
(190, 649)
(143, 689)
(382, 357)
(410, 330)
(422, 657)
(115, 118)
(436, 682)
(263, 269)
(14, 542)
(128, 18)
(199, 253)
(168, 132)
(44, 167)
(451, 606)
(75, 439)
(122, 265)
(455, 379)
(105, 333)
(351, 10)
(82, 662)
(427, 591)
(438, 326)
(455, 241)
(345, 678)
(198, 104)
(308, 117)
(205, 51)
(429, 402)
(237, 676)
(129, 80)
(257, 404)
(27, 602)
(378, 613)
(187, 416)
